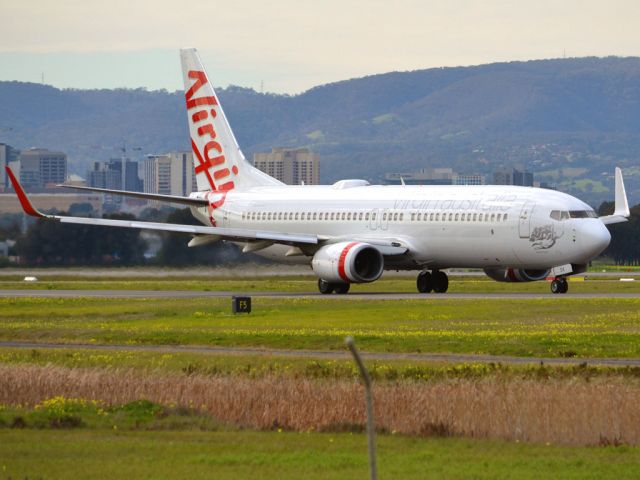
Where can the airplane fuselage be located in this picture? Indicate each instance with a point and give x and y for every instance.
(444, 226)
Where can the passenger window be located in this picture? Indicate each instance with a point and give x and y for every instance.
(504, 217)
(395, 217)
(493, 217)
(430, 216)
(451, 217)
(344, 215)
(438, 217)
(384, 216)
(373, 216)
(366, 216)
(498, 216)
(297, 215)
(314, 215)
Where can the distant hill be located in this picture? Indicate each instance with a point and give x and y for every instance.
(570, 120)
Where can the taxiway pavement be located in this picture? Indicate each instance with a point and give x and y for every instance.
(351, 296)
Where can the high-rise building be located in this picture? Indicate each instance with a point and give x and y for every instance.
(468, 179)
(514, 176)
(8, 155)
(292, 166)
(109, 175)
(169, 174)
(42, 168)
(522, 178)
(425, 176)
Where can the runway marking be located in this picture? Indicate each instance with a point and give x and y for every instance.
(332, 355)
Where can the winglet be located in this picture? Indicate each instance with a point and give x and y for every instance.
(622, 205)
(24, 200)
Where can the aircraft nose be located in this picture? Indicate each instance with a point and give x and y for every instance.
(595, 237)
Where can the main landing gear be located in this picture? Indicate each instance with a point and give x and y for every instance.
(559, 285)
(435, 281)
(328, 287)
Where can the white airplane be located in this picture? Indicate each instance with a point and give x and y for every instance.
(351, 231)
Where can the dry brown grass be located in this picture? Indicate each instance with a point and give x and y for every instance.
(558, 411)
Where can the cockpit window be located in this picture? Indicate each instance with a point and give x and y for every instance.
(582, 214)
(565, 215)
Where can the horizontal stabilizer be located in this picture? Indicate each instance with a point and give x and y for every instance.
(197, 202)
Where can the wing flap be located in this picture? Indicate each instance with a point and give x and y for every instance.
(225, 233)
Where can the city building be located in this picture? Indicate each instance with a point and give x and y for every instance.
(109, 175)
(169, 174)
(468, 179)
(292, 166)
(50, 202)
(8, 155)
(434, 176)
(513, 176)
(42, 168)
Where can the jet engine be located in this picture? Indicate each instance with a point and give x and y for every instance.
(348, 262)
(516, 274)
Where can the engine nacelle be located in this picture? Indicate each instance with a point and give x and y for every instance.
(348, 262)
(516, 274)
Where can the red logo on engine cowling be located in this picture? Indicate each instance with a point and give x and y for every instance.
(211, 160)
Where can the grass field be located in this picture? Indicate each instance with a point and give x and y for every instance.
(245, 406)
(526, 327)
(105, 454)
(62, 438)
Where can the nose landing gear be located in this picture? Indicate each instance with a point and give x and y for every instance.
(559, 285)
(438, 282)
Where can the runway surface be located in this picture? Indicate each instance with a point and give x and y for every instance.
(333, 355)
(316, 295)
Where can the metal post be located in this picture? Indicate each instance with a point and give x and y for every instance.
(371, 432)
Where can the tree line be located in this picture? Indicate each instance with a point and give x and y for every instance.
(51, 243)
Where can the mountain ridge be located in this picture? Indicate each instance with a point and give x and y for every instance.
(548, 114)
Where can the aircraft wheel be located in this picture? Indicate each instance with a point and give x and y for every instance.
(440, 282)
(325, 287)
(556, 286)
(424, 282)
(565, 285)
(342, 288)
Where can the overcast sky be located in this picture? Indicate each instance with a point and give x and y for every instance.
(292, 45)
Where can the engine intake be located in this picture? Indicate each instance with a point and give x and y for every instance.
(348, 262)
(516, 274)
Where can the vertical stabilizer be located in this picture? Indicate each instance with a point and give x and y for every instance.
(218, 161)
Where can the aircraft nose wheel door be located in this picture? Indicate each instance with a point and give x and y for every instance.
(524, 223)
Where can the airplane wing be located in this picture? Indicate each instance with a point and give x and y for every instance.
(257, 238)
(621, 212)
(236, 234)
(198, 202)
